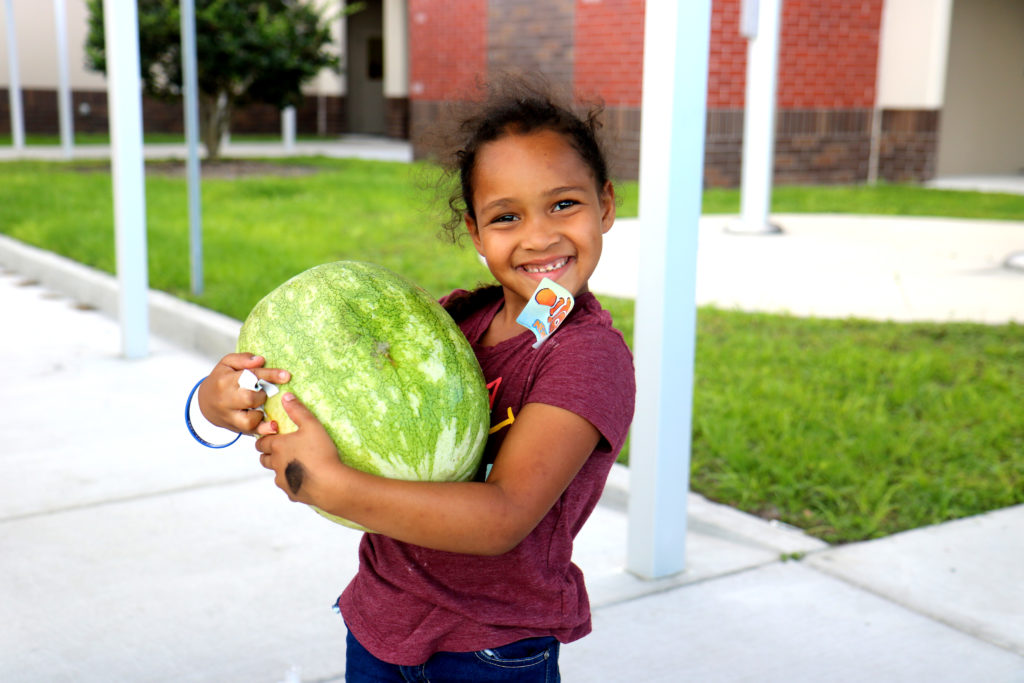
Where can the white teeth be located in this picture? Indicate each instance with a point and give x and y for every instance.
(548, 268)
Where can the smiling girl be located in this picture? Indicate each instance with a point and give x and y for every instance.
(474, 580)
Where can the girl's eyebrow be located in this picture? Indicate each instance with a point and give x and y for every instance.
(496, 204)
(566, 188)
(502, 202)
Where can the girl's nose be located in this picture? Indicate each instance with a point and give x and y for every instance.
(539, 234)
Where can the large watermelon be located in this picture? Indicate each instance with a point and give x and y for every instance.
(381, 364)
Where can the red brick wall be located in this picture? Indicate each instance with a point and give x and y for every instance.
(609, 50)
(727, 57)
(447, 47)
(828, 54)
(828, 57)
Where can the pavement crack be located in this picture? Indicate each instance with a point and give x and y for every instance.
(120, 500)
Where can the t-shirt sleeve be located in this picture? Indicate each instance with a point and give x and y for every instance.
(589, 371)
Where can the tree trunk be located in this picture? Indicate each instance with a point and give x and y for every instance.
(214, 114)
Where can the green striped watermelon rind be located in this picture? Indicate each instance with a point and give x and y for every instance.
(381, 364)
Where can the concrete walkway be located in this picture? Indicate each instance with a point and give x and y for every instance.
(130, 553)
(347, 146)
(875, 267)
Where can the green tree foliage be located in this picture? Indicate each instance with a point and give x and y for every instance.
(246, 51)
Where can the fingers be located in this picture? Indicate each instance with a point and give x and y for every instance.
(242, 361)
(266, 428)
(292, 475)
(273, 375)
(233, 405)
(299, 413)
(265, 445)
(236, 362)
(245, 399)
(255, 422)
(233, 364)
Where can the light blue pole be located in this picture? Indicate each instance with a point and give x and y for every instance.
(676, 41)
(761, 20)
(124, 96)
(288, 128)
(67, 132)
(190, 83)
(14, 80)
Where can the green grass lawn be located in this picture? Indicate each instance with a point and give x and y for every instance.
(849, 429)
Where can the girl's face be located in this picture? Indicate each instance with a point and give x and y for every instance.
(539, 214)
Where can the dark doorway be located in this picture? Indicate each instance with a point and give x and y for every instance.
(364, 70)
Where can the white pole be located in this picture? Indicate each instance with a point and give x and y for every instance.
(124, 95)
(67, 133)
(676, 41)
(288, 128)
(762, 17)
(14, 80)
(190, 90)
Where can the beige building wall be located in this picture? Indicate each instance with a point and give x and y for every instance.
(912, 53)
(396, 48)
(37, 48)
(329, 82)
(982, 126)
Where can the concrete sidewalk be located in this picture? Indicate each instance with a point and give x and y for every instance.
(874, 267)
(345, 146)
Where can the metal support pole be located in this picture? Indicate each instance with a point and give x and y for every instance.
(190, 91)
(14, 78)
(67, 132)
(763, 17)
(288, 128)
(676, 42)
(124, 96)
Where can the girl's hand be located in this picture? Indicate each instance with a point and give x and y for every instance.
(305, 462)
(227, 405)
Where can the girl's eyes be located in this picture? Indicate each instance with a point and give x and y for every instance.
(560, 205)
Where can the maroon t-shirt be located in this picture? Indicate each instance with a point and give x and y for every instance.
(407, 602)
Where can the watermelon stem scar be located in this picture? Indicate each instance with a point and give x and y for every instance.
(383, 351)
(294, 473)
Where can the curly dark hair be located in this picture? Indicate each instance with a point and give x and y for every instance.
(515, 105)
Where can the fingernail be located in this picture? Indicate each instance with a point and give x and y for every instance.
(283, 375)
(288, 397)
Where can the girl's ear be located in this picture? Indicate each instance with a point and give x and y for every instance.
(474, 233)
(607, 206)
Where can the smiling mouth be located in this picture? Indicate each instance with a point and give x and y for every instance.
(547, 267)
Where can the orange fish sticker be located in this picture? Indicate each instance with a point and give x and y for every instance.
(548, 307)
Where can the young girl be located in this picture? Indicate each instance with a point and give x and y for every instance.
(474, 581)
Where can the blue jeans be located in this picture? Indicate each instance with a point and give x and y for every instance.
(534, 660)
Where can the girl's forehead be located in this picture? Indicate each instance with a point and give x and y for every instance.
(536, 152)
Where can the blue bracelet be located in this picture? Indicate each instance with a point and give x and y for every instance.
(192, 431)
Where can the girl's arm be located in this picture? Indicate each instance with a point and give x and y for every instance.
(542, 452)
(227, 405)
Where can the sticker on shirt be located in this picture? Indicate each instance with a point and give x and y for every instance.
(547, 308)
